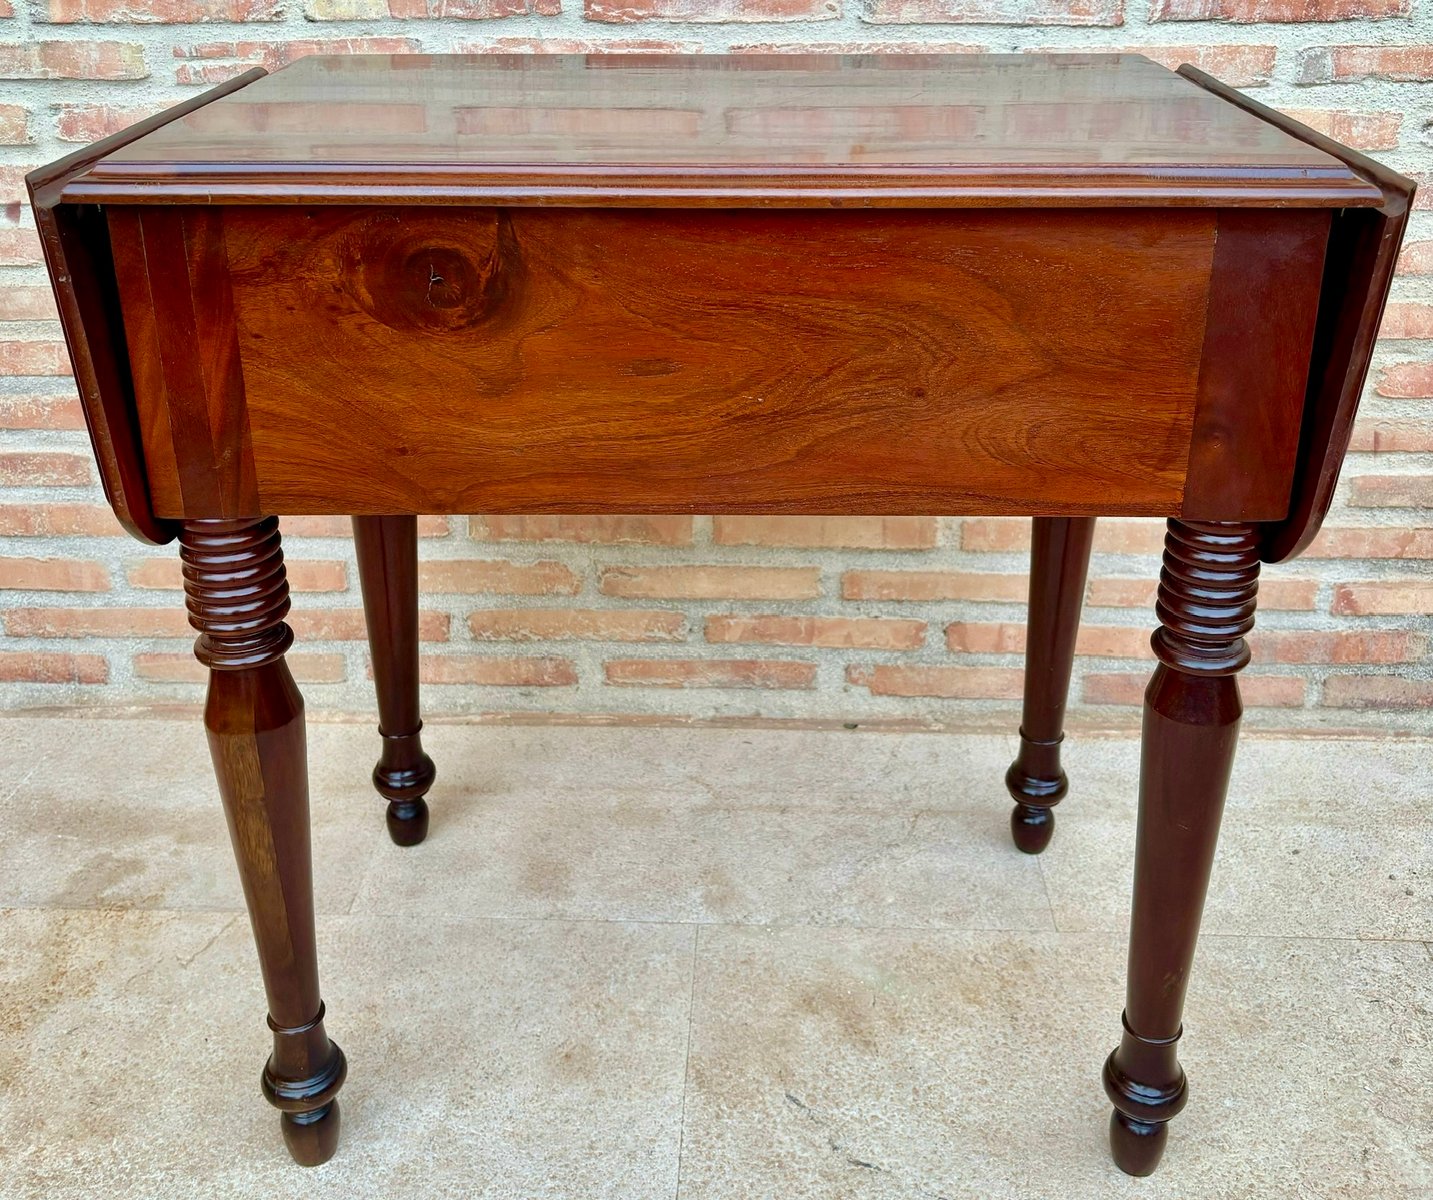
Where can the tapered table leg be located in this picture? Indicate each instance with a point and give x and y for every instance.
(1191, 723)
(388, 575)
(237, 596)
(1059, 562)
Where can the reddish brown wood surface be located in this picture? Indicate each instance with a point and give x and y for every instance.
(387, 549)
(737, 131)
(1263, 305)
(427, 360)
(1059, 561)
(75, 241)
(1362, 253)
(1192, 709)
(237, 594)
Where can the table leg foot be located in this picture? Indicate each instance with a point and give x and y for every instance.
(388, 575)
(1059, 562)
(1207, 592)
(237, 594)
(1137, 1146)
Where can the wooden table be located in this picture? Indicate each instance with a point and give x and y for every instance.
(1055, 286)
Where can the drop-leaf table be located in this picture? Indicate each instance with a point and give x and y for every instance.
(1051, 286)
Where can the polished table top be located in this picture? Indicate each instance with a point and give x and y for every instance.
(945, 129)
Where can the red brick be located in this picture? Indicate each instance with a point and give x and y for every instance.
(58, 520)
(709, 673)
(1353, 64)
(97, 622)
(1392, 437)
(1320, 646)
(185, 668)
(1278, 592)
(14, 125)
(1393, 597)
(712, 583)
(1362, 130)
(947, 683)
(624, 12)
(1008, 637)
(497, 672)
(347, 625)
(53, 575)
(865, 633)
(607, 531)
(1245, 12)
(27, 304)
(993, 12)
(1391, 491)
(555, 45)
(933, 585)
(26, 666)
(498, 578)
(72, 60)
(563, 624)
(1406, 381)
(214, 62)
(1416, 258)
(1423, 201)
(845, 533)
(1377, 691)
(303, 575)
(90, 122)
(1238, 66)
(469, 10)
(1381, 542)
(1407, 319)
(34, 358)
(1258, 691)
(1115, 536)
(43, 468)
(860, 48)
(161, 12)
(19, 248)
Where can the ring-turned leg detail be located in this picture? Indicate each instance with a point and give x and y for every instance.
(388, 575)
(1192, 708)
(238, 596)
(1059, 562)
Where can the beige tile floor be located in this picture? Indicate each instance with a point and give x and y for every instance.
(643, 963)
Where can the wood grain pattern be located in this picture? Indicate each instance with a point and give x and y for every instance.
(408, 360)
(1362, 254)
(76, 245)
(725, 131)
(189, 385)
(1258, 338)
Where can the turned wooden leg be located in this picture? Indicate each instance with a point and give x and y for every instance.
(1191, 723)
(388, 575)
(238, 596)
(1059, 561)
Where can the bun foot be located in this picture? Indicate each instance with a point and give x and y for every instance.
(407, 821)
(1137, 1146)
(312, 1137)
(1032, 828)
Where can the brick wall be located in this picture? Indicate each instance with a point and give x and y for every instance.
(907, 618)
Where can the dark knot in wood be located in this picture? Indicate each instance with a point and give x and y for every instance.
(236, 591)
(413, 272)
(1207, 591)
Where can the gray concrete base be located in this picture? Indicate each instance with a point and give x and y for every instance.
(697, 963)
